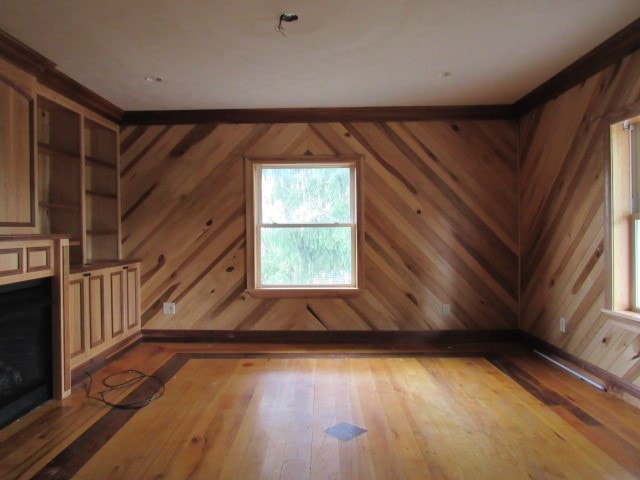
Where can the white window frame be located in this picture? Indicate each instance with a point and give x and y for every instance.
(253, 169)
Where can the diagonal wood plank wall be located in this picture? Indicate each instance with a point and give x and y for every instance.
(441, 224)
(563, 151)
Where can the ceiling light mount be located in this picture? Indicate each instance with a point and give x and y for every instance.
(287, 18)
(152, 79)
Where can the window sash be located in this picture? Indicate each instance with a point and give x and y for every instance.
(258, 168)
(353, 246)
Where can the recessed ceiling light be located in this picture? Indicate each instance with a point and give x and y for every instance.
(152, 79)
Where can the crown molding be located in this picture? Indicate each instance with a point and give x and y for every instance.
(612, 50)
(300, 115)
(48, 75)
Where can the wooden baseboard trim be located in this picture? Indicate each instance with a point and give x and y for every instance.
(387, 338)
(442, 339)
(78, 374)
(610, 381)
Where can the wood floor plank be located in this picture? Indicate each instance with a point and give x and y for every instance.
(262, 412)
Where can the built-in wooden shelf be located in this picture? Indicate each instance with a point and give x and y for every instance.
(99, 163)
(101, 194)
(52, 150)
(102, 232)
(59, 206)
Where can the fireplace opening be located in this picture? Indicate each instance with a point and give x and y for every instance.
(25, 347)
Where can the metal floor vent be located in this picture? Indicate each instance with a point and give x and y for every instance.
(344, 431)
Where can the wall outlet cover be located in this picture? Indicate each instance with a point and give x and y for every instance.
(169, 308)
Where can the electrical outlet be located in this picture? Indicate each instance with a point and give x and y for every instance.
(169, 308)
(446, 309)
(563, 325)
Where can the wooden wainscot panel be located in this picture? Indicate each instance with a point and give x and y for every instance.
(117, 285)
(133, 302)
(97, 317)
(11, 261)
(38, 259)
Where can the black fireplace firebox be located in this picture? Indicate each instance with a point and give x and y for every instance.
(25, 347)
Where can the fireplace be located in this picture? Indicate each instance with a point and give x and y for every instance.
(25, 347)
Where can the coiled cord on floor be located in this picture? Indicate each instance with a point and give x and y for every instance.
(137, 377)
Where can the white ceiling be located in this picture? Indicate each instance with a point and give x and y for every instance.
(341, 53)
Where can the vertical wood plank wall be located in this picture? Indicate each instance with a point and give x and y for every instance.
(563, 151)
(441, 207)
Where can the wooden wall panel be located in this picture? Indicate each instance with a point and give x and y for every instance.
(563, 152)
(441, 224)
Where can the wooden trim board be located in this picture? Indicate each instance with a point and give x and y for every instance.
(611, 51)
(303, 115)
(390, 338)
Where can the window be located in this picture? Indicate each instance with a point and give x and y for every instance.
(304, 226)
(624, 221)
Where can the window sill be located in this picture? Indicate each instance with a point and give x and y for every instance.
(623, 316)
(305, 292)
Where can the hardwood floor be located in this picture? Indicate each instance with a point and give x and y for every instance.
(262, 412)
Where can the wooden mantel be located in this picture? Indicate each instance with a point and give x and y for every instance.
(29, 257)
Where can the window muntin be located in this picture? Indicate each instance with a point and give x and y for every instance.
(305, 224)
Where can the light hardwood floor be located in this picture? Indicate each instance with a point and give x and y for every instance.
(260, 412)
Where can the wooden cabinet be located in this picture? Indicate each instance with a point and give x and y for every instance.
(17, 159)
(78, 186)
(124, 312)
(103, 310)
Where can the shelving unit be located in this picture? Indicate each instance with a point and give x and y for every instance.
(60, 174)
(78, 182)
(102, 211)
